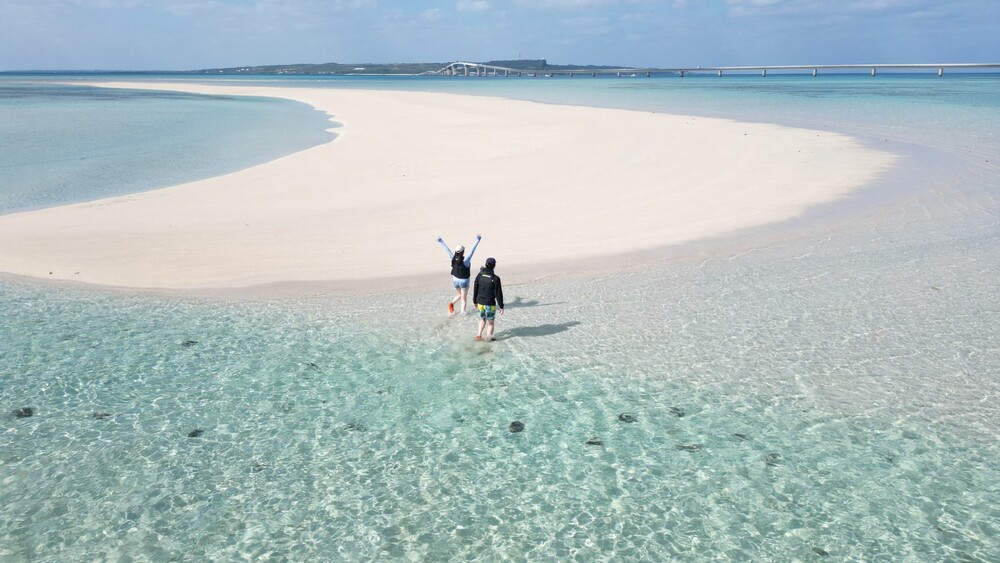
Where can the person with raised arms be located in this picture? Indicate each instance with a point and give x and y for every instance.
(461, 272)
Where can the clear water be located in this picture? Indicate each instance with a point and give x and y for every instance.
(832, 392)
(63, 144)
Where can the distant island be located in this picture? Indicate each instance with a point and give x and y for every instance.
(527, 65)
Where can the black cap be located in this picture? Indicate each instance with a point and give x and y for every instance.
(491, 262)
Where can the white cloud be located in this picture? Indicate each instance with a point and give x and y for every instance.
(108, 3)
(431, 15)
(586, 23)
(819, 6)
(564, 4)
(878, 5)
(836, 10)
(872, 4)
(205, 33)
(777, 7)
(577, 27)
(635, 17)
(473, 6)
(304, 8)
(753, 3)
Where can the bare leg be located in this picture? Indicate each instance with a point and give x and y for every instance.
(455, 299)
(482, 325)
(464, 294)
(489, 332)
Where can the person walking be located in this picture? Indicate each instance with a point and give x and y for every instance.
(461, 271)
(487, 295)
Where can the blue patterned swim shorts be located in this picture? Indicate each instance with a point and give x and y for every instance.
(487, 312)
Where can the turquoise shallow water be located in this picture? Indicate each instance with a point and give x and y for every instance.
(62, 143)
(831, 393)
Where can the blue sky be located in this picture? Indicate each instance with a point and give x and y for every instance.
(195, 34)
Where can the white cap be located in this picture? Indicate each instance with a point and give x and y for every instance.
(459, 248)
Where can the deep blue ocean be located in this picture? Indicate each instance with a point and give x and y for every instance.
(828, 388)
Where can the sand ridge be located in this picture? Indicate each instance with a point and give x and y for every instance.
(543, 183)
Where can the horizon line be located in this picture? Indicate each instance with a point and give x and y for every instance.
(591, 68)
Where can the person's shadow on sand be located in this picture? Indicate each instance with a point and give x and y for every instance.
(541, 330)
(522, 302)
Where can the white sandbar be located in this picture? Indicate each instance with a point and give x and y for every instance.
(544, 184)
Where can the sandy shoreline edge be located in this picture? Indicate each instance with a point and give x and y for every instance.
(548, 186)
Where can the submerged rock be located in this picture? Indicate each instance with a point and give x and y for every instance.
(195, 433)
(628, 417)
(189, 343)
(595, 441)
(23, 412)
(677, 411)
(516, 426)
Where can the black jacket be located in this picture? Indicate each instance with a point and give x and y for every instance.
(488, 290)
(458, 267)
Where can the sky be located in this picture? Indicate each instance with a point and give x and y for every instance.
(199, 34)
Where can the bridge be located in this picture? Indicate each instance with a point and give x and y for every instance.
(462, 68)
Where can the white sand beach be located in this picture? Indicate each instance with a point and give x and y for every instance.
(544, 184)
